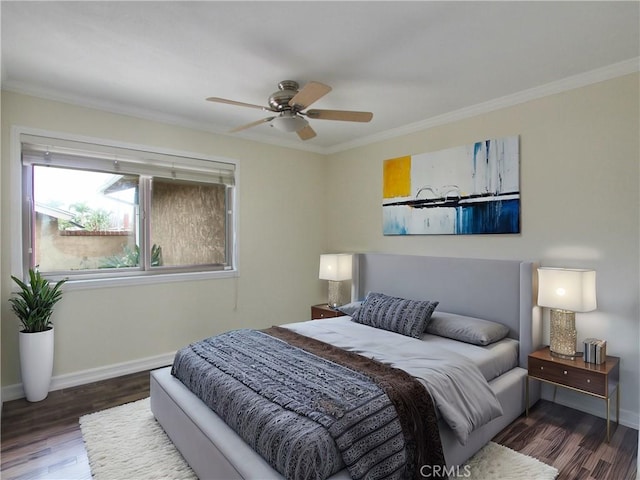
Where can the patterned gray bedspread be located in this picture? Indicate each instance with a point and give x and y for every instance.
(309, 417)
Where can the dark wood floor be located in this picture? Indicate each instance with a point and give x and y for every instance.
(43, 440)
(574, 443)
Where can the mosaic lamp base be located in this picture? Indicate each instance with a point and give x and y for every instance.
(563, 334)
(334, 294)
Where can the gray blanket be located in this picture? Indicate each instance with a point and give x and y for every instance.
(307, 416)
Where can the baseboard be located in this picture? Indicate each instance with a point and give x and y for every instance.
(14, 392)
(591, 405)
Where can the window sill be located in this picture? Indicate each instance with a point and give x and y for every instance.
(130, 281)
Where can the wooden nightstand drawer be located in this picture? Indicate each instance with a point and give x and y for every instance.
(324, 311)
(568, 376)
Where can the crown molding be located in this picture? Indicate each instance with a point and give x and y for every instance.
(576, 81)
(570, 83)
(150, 115)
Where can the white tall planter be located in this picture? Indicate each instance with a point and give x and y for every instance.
(36, 363)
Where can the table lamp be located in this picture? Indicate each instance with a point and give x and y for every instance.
(335, 267)
(565, 291)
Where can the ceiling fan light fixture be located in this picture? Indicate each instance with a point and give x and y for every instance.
(289, 122)
(288, 104)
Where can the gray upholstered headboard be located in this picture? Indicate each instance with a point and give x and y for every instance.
(498, 290)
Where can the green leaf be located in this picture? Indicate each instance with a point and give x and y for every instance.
(34, 303)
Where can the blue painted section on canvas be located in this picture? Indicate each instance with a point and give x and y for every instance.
(498, 216)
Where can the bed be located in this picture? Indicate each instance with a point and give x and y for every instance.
(498, 290)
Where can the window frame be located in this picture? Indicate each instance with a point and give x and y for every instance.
(21, 217)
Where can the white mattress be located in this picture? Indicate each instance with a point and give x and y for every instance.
(492, 360)
(403, 352)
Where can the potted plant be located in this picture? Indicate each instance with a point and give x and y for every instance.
(33, 305)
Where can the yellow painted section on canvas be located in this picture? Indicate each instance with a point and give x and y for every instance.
(396, 177)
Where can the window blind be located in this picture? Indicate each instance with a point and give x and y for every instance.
(70, 154)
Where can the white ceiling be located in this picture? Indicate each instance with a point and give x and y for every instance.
(410, 63)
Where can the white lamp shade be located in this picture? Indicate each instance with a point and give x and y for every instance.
(335, 266)
(567, 289)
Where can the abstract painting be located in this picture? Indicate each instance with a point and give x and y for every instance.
(472, 189)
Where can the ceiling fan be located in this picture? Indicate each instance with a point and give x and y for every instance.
(289, 102)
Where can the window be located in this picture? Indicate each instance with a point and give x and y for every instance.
(95, 211)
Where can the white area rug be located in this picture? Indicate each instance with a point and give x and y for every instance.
(497, 462)
(126, 442)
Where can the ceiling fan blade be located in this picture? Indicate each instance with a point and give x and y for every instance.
(306, 133)
(310, 93)
(252, 124)
(343, 115)
(239, 104)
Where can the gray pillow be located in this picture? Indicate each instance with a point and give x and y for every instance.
(399, 315)
(349, 308)
(466, 329)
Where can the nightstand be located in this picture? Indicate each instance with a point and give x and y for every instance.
(600, 381)
(324, 311)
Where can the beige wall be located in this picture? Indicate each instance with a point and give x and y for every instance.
(281, 236)
(579, 169)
